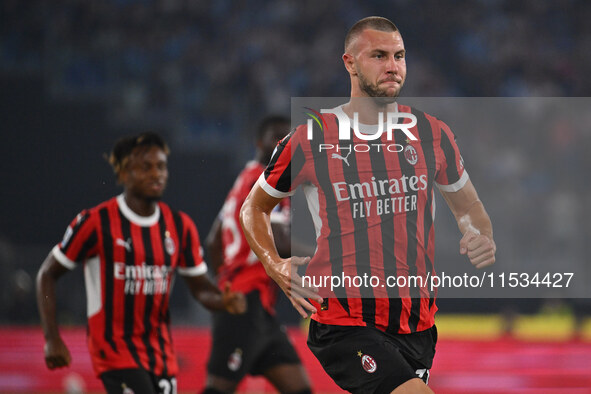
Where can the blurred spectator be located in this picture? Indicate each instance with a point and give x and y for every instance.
(206, 69)
(209, 67)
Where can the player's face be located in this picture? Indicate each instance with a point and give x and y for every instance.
(146, 173)
(379, 64)
(275, 132)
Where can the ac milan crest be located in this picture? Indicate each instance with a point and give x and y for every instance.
(169, 244)
(235, 360)
(368, 363)
(411, 155)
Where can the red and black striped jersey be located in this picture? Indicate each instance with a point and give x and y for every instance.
(129, 263)
(373, 208)
(241, 266)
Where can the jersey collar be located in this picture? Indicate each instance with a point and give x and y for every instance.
(142, 221)
(371, 129)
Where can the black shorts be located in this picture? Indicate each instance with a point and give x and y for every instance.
(367, 360)
(248, 344)
(136, 381)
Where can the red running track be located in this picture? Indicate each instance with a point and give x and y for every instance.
(500, 366)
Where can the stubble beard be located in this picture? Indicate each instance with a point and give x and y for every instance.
(380, 96)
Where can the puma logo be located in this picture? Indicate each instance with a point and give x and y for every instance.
(345, 159)
(125, 244)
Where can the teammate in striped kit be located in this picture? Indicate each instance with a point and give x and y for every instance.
(371, 197)
(252, 343)
(130, 247)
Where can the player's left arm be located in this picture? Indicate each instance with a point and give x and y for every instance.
(193, 269)
(207, 293)
(474, 223)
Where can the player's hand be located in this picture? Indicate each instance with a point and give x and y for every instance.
(234, 303)
(284, 273)
(57, 354)
(480, 248)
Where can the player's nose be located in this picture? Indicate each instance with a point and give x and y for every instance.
(392, 65)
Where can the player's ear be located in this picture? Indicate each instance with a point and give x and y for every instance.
(349, 62)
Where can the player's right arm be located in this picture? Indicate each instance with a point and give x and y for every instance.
(57, 354)
(79, 242)
(255, 217)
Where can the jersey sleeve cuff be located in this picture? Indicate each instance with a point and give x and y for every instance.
(454, 187)
(62, 258)
(193, 271)
(271, 190)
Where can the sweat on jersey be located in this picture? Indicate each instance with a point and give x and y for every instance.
(373, 210)
(129, 263)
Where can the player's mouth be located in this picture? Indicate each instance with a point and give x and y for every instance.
(156, 186)
(390, 82)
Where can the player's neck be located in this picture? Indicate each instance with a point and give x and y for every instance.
(367, 109)
(140, 206)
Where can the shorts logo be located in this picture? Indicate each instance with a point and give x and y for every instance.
(235, 360)
(423, 374)
(367, 362)
(126, 390)
(169, 244)
(410, 154)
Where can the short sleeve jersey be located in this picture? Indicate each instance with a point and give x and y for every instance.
(241, 267)
(373, 209)
(129, 263)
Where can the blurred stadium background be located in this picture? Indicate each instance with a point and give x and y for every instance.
(77, 74)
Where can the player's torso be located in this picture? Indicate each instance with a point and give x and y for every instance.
(241, 266)
(375, 201)
(237, 252)
(138, 259)
(378, 188)
(128, 286)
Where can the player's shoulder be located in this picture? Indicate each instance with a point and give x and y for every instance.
(252, 169)
(185, 218)
(246, 178)
(91, 216)
(418, 112)
(166, 209)
(319, 124)
(96, 210)
(182, 220)
(434, 124)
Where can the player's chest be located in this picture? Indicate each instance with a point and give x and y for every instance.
(149, 246)
(371, 159)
